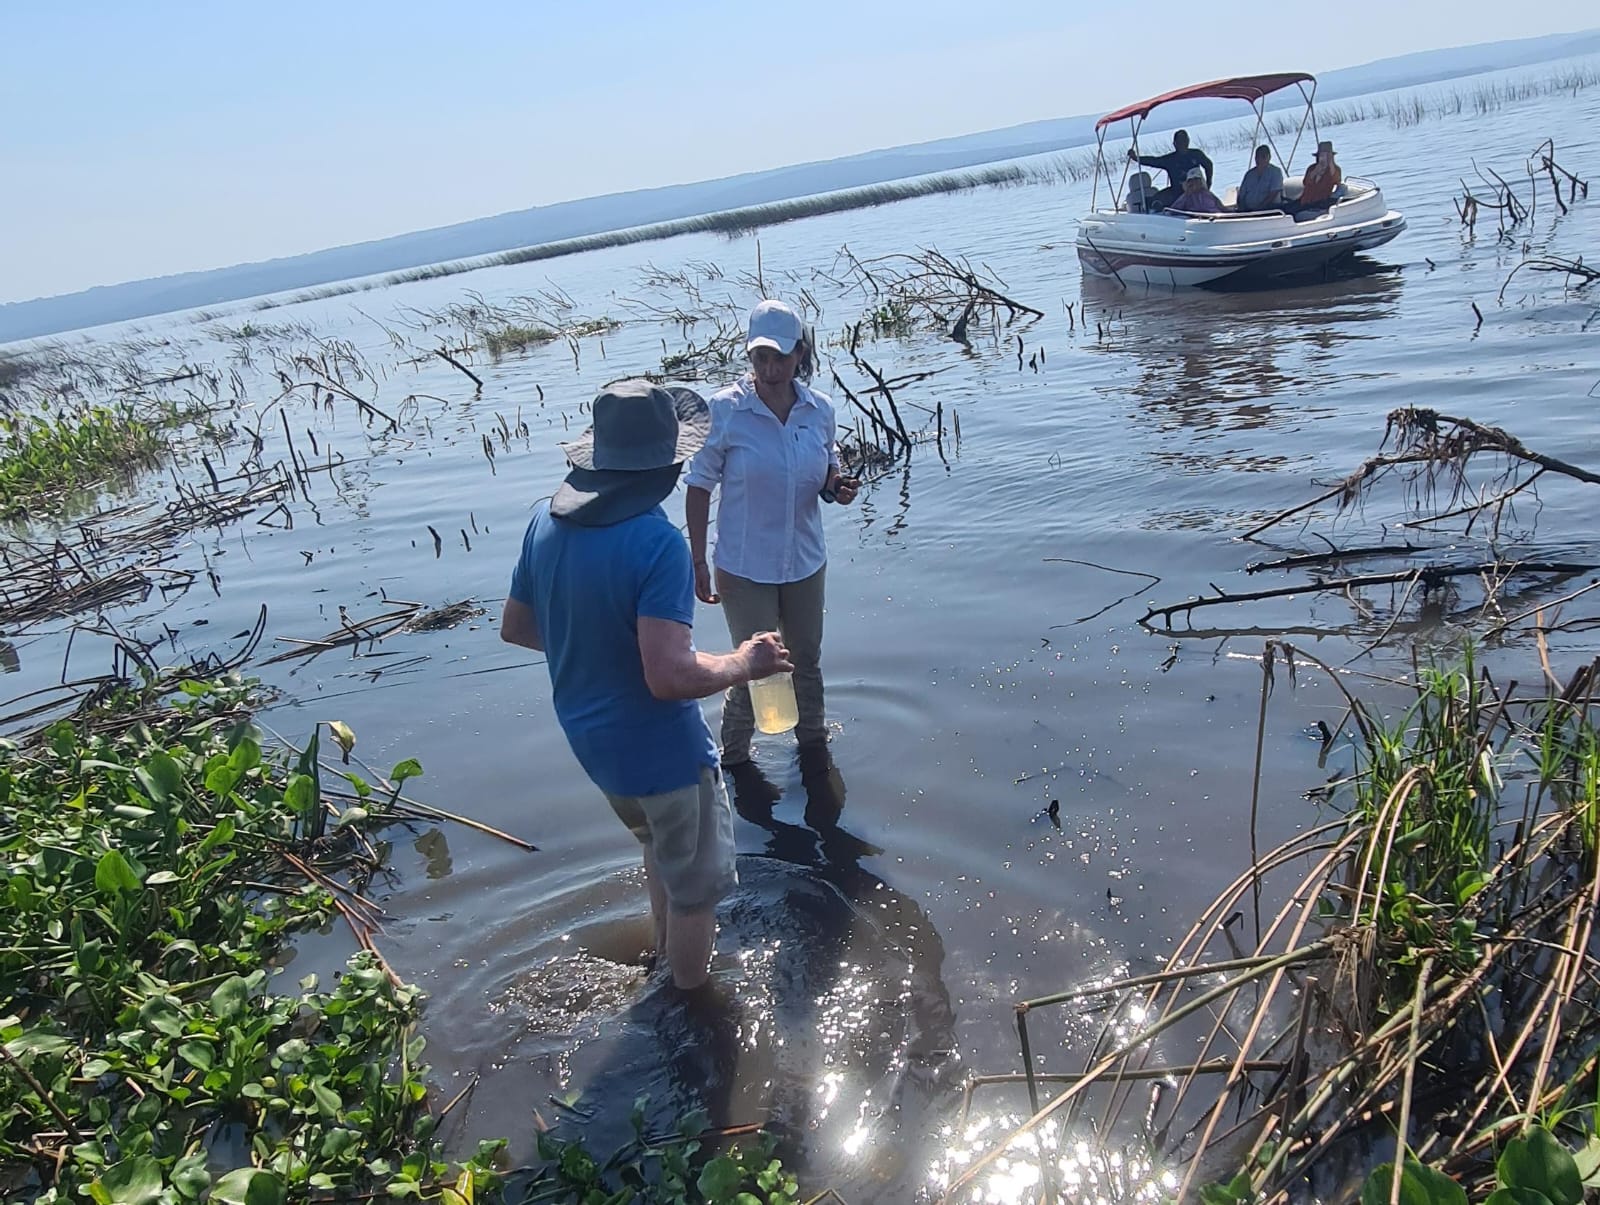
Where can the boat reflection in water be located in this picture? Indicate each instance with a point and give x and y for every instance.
(1219, 362)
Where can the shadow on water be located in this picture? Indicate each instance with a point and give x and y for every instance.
(827, 1019)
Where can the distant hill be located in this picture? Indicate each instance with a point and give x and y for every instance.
(617, 211)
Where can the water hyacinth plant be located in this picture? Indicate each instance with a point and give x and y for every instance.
(42, 458)
(155, 858)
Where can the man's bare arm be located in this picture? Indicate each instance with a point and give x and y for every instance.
(674, 669)
(519, 625)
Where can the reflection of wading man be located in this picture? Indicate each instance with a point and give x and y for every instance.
(771, 450)
(604, 586)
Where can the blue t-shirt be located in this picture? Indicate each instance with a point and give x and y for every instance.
(587, 587)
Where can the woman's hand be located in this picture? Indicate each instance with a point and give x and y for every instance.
(702, 584)
(841, 489)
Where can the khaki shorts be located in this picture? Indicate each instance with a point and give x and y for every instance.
(689, 833)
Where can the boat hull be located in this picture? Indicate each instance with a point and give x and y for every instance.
(1168, 250)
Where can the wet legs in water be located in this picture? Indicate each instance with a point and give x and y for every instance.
(684, 939)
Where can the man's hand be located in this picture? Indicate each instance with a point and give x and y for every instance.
(703, 589)
(1133, 155)
(764, 655)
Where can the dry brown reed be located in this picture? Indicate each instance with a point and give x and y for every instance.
(1420, 990)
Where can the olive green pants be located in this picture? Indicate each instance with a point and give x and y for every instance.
(794, 610)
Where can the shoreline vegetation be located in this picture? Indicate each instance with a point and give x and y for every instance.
(157, 857)
(159, 853)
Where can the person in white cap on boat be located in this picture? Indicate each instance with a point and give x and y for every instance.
(772, 454)
(1196, 197)
(605, 589)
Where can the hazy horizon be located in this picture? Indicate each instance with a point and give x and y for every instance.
(194, 140)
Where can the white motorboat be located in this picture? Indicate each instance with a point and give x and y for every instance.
(1124, 238)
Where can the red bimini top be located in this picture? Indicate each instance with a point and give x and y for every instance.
(1249, 88)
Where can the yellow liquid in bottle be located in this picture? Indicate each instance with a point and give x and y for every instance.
(774, 703)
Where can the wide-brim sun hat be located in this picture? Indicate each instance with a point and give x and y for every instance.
(773, 324)
(629, 459)
(1324, 147)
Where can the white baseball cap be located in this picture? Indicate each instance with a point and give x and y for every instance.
(774, 325)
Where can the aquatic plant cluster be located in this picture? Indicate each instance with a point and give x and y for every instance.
(43, 458)
(156, 858)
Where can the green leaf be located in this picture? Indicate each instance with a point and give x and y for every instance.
(1588, 1161)
(220, 835)
(246, 755)
(190, 1177)
(160, 777)
(135, 1181)
(338, 1143)
(129, 811)
(162, 1014)
(1419, 1185)
(1516, 1196)
(28, 1046)
(113, 875)
(1537, 1160)
(249, 1186)
(301, 794)
(719, 1179)
(198, 1054)
(351, 815)
(410, 768)
(343, 734)
(230, 998)
(328, 1102)
(1468, 883)
(160, 878)
(222, 779)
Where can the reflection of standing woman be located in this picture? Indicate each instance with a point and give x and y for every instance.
(771, 450)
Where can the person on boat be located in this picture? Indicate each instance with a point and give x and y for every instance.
(604, 587)
(771, 452)
(1196, 197)
(1262, 186)
(1320, 182)
(1177, 163)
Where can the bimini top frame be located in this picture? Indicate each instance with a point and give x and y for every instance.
(1253, 89)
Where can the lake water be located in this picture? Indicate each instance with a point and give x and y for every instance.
(982, 656)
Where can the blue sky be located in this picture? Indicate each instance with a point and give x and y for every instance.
(144, 139)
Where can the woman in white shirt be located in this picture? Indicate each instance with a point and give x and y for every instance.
(771, 451)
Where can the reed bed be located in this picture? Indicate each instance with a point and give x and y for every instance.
(740, 221)
(1421, 995)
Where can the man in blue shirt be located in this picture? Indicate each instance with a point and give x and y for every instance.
(604, 586)
(1262, 186)
(1177, 163)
